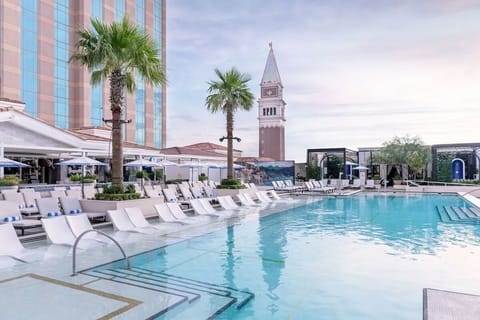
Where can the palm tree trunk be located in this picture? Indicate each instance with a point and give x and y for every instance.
(229, 141)
(117, 85)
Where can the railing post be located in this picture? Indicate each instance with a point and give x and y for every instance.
(74, 258)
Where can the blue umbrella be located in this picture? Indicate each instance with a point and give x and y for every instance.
(8, 163)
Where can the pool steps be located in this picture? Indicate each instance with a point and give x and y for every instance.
(190, 291)
(458, 214)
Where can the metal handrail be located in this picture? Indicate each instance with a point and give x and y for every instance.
(74, 258)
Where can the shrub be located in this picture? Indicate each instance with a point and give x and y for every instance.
(202, 177)
(117, 197)
(91, 176)
(75, 177)
(231, 182)
(9, 180)
(113, 189)
(226, 186)
(88, 180)
(142, 174)
(130, 189)
(156, 175)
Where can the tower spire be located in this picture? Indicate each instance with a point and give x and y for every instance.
(271, 73)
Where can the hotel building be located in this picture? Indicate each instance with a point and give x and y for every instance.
(37, 38)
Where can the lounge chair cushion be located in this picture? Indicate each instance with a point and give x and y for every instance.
(12, 218)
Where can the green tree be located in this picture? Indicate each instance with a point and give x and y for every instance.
(313, 171)
(118, 51)
(229, 94)
(405, 150)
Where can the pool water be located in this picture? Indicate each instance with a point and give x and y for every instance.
(362, 257)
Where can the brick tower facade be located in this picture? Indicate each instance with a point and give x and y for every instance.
(271, 112)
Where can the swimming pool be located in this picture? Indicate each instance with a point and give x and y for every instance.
(361, 257)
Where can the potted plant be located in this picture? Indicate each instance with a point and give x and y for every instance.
(9, 182)
(202, 177)
(118, 193)
(76, 177)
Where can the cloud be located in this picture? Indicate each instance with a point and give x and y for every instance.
(355, 73)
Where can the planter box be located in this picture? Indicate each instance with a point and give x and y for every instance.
(146, 205)
(8, 188)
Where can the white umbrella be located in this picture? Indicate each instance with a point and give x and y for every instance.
(83, 162)
(8, 163)
(235, 166)
(142, 163)
(167, 163)
(360, 168)
(191, 164)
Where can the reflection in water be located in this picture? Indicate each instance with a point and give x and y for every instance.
(273, 239)
(230, 259)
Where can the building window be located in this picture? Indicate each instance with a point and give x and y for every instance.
(157, 91)
(29, 56)
(140, 112)
(274, 111)
(264, 112)
(61, 63)
(96, 92)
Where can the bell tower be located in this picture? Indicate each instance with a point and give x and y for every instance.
(271, 112)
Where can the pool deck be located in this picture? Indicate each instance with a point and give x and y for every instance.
(46, 289)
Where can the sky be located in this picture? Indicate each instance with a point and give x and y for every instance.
(355, 73)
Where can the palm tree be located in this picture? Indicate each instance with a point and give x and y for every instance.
(229, 94)
(118, 51)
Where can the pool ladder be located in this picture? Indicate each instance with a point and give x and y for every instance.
(74, 256)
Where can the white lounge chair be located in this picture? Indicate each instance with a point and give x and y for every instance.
(247, 200)
(166, 215)
(209, 192)
(18, 199)
(370, 184)
(137, 218)
(356, 183)
(170, 195)
(30, 197)
(10, 246)
(58, 231)
(224, 203)
(48, 207)
(9, 213)
(79, 223)
(200, 208)
(178, 213)
(122, 222)
(262, 197)
(186, 194)
(73, 206)
(153, 192)
(196, 192)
